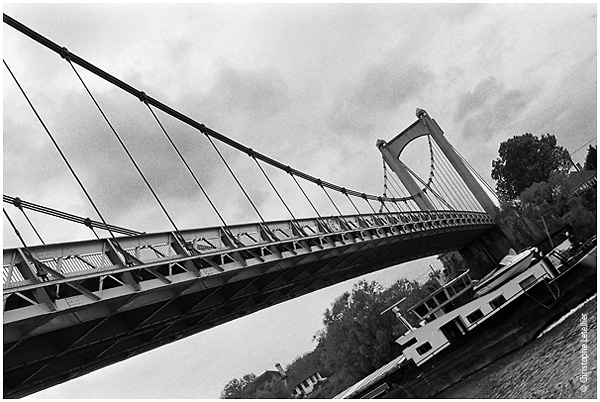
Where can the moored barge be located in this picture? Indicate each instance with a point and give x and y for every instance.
(468, 324)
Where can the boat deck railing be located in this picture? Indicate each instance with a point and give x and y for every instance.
(443, 296)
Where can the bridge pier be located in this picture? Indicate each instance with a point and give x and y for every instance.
(485, 253)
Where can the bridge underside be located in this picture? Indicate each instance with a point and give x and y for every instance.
(95, 330)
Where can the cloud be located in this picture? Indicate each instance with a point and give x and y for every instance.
(471, 102)
(569, 110)
(245, 100)
(383, 88)
(258, 95)
(489, 109)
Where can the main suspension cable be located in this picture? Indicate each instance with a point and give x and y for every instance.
(168, 110)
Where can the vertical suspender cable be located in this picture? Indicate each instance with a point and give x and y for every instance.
(401, 194)
(450, 189)
(41, 273)
(384, 206)
(478, 206)
(17, 203)
(235, 178)
(64, 158)
(422, 182)
(460, 188)
(352, 202)
(65, 56)
(442, 182)
(306, 196)
(273, 186)
(399, 189)
(185, 163)
(385, 184)
(33, 227)
(370, 206)
(485, 183)
(14, 228)
(467, 195)
(330, 199)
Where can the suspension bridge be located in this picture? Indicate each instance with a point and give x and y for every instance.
(73, 307)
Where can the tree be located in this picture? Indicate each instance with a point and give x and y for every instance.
(524, 160)
(554, 202)
(590, 159)
(235, 388)
(274, 389)
(357, 339)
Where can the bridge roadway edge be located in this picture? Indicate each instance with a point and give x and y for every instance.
(174, 314)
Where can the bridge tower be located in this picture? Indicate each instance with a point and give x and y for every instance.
(427, 126)
(489, 248)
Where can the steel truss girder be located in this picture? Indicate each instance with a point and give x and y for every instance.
(184, 284)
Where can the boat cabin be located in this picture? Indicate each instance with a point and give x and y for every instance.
(443, 300)
(446, 323)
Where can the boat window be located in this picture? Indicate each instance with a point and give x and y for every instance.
(410, 342)
(420, 310)
(475, 316)
(431, 303)
(453, 330)
(527, 282)
(497, 302)
(441, 297)
(424, 348)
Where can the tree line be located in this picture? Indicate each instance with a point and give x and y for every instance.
(355, 341)
(535, 184)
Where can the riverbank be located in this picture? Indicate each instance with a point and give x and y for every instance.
(548, 367)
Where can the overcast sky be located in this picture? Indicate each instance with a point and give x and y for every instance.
(311, 85)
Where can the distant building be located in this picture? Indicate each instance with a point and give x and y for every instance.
(580, 180)
(270, 375)
(307, 385)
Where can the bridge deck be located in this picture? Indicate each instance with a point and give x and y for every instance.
(75, 307)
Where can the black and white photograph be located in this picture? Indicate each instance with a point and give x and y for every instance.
(299, 200)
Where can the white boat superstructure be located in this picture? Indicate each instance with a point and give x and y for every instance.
(461, 333)
(510, 266)
(424, 342)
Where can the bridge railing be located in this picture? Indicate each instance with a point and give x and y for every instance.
(48, 278)
(78, 258)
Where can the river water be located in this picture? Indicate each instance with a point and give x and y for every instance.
(561, 363)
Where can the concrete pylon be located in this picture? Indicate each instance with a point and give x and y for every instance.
(457, 163)
(424, 126)
(405, 177)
